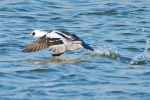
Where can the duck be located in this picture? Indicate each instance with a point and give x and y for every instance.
(57, 41)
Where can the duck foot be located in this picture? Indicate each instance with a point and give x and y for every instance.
(57, 54)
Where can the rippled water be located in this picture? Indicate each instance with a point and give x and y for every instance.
(118, 69)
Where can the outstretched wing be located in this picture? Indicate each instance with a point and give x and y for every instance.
(40, 44)
(54, 44)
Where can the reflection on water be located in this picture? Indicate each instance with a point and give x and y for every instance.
(56, 60)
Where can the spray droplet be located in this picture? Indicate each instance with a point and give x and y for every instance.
(142, 57)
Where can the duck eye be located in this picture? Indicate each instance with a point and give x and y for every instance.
(33, 33)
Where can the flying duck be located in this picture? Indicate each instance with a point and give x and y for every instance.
(57, 41)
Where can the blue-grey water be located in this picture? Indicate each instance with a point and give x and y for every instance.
(118, 69)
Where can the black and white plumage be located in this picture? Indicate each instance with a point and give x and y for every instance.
(57, 41)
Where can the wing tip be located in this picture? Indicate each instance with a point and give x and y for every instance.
(25, 49)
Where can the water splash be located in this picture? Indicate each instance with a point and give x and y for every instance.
(108, 51)
(141, 58)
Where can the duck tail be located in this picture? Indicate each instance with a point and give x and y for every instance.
(86, 46)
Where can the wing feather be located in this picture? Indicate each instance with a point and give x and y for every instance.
(44, 42)
(37, 45)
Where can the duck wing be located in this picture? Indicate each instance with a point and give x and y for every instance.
(54, 44)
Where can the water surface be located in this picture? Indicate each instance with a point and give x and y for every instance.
(118, 69)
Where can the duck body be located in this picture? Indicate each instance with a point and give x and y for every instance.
(57, 41)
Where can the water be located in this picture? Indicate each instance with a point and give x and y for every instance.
(118, 69)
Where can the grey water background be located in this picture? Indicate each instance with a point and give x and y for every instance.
(118, 69)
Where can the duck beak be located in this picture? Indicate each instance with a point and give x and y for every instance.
(29, 34)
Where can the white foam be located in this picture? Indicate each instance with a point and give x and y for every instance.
(106, 50)
(142, 57)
